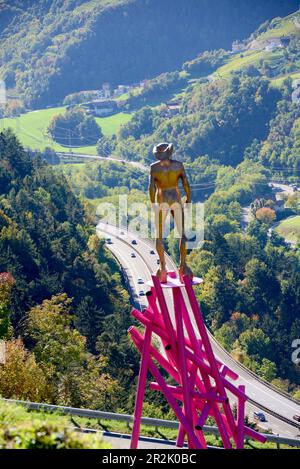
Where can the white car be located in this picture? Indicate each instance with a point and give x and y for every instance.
(140, 281)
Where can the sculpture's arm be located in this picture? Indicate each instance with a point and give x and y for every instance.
(186, 186)
(152, 188)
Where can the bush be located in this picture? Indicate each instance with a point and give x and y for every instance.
(20, 376)
(74, 128)
(21, 429)
(266, 215)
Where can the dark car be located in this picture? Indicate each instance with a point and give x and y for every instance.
(134, 241)
(297, 418)
(152, 252)
(259, 416)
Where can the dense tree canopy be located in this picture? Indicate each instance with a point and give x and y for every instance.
(61, 287)
(75, 128)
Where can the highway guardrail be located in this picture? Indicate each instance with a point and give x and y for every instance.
(153, 422)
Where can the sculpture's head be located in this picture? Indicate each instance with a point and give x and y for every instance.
(163, 151)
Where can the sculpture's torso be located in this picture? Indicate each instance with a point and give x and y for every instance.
(166, 176)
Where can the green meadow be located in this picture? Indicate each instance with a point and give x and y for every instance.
(31, 129)
(290, 229)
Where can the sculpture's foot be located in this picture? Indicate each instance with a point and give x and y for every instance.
(185, 270)
(162, 274)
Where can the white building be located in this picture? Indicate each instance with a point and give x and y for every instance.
(101, 108)
(106, 90)
(238, 46)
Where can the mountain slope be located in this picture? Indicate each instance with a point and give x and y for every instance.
(55, 48)
(46, 242)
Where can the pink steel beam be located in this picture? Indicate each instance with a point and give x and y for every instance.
(177, 392)
(209, 352)
(190, 355)
(181, 356)
(205, 377)
(164, 311)
(191, 362)
(181, 417)
(240, 420)
(156, 317)
(141, 389)
(156, 355)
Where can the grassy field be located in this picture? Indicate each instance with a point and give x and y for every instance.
(277, 82)
(111, 124)
(285, 27)
(290, 229)
(31, 127)
(238, 61)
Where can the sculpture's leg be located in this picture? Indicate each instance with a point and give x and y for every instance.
(178, 215)
(160, 219)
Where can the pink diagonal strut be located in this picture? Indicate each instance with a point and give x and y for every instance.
(240, 419)
(141, 389)
(181, 417)
(209, 352)
(206, 379)
(181, 355)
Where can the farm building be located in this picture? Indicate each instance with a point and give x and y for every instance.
(238, 46)
(173, 107)
(101, 108)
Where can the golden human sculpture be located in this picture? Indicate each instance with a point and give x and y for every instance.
(164, 193)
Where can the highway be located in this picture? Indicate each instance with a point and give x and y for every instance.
(262, 396)
(84, 156)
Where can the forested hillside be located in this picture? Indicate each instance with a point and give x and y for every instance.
(60, 291)
(234, 106)
(51, 49)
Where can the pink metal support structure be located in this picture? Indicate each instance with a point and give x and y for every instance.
(185, 353)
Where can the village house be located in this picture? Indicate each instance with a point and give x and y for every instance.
(106, 90)
(121, 89)
(173, 108)
(143, 83)
(238, 46)
(101, 108)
